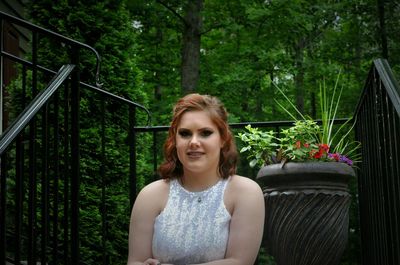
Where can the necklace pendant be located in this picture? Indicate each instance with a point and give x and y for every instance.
(199, 199)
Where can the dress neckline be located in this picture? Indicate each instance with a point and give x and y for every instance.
(198, 192)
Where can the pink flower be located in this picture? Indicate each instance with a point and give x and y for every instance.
(335, 156)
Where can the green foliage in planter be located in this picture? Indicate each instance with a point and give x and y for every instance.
(293, 137)
(260, 145)
(305, 140)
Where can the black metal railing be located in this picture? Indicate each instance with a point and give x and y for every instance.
(45, 160)
(378, 129)
(11, 135)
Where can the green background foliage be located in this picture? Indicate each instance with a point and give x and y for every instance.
(245, 45)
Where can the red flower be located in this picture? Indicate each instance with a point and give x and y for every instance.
(298, 144)
(318, 155)
(323, 149)
(306, 145)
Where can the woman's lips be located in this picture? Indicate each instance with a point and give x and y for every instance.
(194, 154)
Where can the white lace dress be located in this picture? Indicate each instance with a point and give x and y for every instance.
(193, 227)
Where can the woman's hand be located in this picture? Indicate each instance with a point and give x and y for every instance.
(154, 262)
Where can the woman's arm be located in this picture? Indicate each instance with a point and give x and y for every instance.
(148, 205)
(247, 223)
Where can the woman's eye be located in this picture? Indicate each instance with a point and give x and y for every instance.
(184, 134)
(206, 133)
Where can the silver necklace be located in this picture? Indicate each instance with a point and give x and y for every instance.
(200, 194)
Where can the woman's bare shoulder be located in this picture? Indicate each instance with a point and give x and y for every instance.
(244, 184)
(156, 186)
(156, 192)
(243, 192)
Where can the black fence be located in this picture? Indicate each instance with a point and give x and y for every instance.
(378, 129)
(55, 146)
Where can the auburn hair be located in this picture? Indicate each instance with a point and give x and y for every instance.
(171, 166)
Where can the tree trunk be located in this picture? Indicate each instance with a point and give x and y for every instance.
(274, 111)
(299, 77)
(158, 87)
(190, 70)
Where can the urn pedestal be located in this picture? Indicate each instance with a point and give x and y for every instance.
(307, 211)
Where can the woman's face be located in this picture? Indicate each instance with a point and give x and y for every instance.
(198, 144)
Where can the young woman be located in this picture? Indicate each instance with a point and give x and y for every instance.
(201, 212)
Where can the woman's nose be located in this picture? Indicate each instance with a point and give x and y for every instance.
(194, 140)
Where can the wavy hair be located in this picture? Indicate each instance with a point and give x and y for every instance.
(172, 167)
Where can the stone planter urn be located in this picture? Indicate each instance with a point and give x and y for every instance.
(307, 211)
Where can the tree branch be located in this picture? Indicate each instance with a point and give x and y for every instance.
(173, 12)
(217, 26)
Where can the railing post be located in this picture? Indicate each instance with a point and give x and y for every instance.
(32, 164)
(2, 166)
(3, 210)
(45, 186)
(132, 155)
(75, 158)
(66, 173)
(103, 209)
(19, 196)
(154, 155)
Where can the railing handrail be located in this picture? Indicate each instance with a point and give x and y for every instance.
(389, 84)
(237, 125)
(67, 40)
(120, 99)
(36, 104)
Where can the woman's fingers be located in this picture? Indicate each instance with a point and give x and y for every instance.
(155, 262)
(152, 262)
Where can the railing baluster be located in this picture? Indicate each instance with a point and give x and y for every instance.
(32, 195)
(56, 177)
(66, 177)
(44, 186)
(395, 139)
(3, 210)
(103, 184)
(132, 155)
(19, 195)
(387, 165)
(75, 160)
(2, 167)
(155, 154)
(32, 165)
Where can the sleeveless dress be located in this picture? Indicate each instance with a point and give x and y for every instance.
(193, 227)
